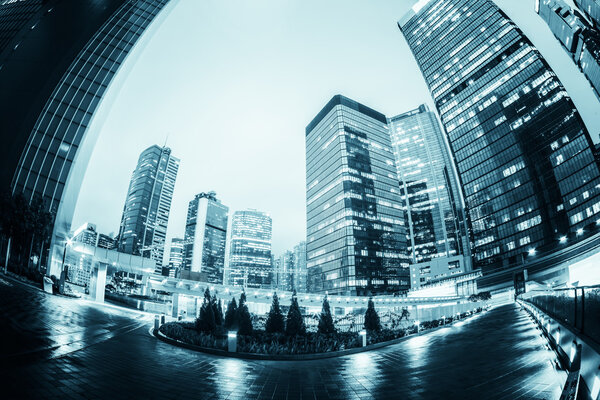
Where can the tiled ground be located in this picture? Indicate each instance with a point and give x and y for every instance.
(55, 347)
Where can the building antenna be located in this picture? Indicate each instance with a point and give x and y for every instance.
(166, 139)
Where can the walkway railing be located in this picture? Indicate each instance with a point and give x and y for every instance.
(578, 307)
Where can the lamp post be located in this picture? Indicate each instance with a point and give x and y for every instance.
(363, 334)
(63, 277)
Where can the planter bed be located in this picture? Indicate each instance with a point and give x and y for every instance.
(278, 347)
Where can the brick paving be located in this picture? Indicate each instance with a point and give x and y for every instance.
(56, 347)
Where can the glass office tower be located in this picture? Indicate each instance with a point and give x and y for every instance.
(429, 187)
(591, 8)
(300, 267)
(205, 238)
(176, 253)
(576, 35)
(143, 228)
(249, 261)
(57, 59)
(523, 154)
(356, 237)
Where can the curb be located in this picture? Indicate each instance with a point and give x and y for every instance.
(297, 357)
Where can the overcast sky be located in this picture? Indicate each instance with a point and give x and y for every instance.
(231, 85)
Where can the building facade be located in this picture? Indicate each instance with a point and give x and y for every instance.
(145, 218)
(51, 83)
(576, 35)
(106, 242)
(430, 193)
(591, 8)
(176, 253)
(300, 274)
(248, 256)
(522, 152)
(205, 238)
(356, 233)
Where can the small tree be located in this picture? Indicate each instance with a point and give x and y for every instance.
(295, 323)
(275, 323)
(325, 319)
(206, 321)
(231, 315)
(243, 317)
(372, 322)
(217, 311)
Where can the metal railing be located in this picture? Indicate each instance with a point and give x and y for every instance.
(578, 307)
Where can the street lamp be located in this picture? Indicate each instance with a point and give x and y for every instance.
(417, 323)
(69, 242)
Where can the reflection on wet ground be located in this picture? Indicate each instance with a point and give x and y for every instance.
(60, 347)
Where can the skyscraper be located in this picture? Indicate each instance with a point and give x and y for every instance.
(576, 35)
(58, 58)
(205, 237)
(176, 253)
(356, 237)
(591, 8)
(300, 273)
(523, 154)
(143, 228)
(429, 187)
(248, 256)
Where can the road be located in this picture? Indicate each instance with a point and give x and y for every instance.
(57, 347)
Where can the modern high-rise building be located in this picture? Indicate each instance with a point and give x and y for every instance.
(57, 60)
(145, 218)
(205, 238)
(576, 35)
(86, 234)
(430, 193)
(591, 8)
(248, 256)
(283, 271)
(106, 242)
(522, 151)
(176, 253)
(356, 233)
(300, 273)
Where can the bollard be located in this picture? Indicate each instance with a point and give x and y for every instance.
(156, 322)
(364, 337)
(232, 341)
(162, 319)
(179, 317)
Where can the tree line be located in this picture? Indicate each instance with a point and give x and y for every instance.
(237, 317)
(25, 231)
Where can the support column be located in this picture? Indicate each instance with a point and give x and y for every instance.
(175, 311)
(145, 284)
(100, 273)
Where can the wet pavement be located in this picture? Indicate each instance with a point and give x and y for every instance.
(57, 347)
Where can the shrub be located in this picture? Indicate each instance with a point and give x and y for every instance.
(372, 322)
(325, 319)
(217, 310)
(206, 321)
(295, 323)
(243, 317)
(275, 323)
(230, 321)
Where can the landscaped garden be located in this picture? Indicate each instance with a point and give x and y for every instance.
(285, 334)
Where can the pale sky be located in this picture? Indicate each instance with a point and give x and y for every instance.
(231, 85)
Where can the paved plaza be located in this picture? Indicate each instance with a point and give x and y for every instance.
(57, 347)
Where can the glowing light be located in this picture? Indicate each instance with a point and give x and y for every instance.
(563, 239)
(531, 251)
(579, 231)
(69, 242)
(573, 350)
(596, 387)
(232, 334)
(362, 333)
